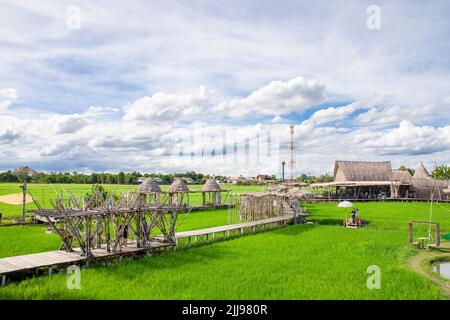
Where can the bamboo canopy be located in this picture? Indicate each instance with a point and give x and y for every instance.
(149, 186)
(211, 186)
(178, 186)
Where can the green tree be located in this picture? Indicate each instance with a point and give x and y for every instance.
(121, 178)
(441, 172)
(410, 170)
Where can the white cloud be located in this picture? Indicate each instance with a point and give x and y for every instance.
(7, 97)
(8, 136)
(340, 113)
(168, 106)
(392, 114)
(408, 139)
(64, 124)
(277, 98)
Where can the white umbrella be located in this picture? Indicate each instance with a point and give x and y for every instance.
(345, 204)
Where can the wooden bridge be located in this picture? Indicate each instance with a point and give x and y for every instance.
(46, 263)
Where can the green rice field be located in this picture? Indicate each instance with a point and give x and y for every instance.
(319, 261)
(44, 192)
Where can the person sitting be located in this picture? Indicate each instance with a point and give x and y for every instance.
(354, 215)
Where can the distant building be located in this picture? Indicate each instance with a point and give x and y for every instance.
(188, 180)
(263, 178)
(234, 180)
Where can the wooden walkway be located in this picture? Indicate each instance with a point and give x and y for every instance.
(19, 267)
(47, 262)
(226, 230)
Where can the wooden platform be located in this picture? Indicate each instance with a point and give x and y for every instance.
(229, 230)
(231, 227)
(47, 260)
(20, 267)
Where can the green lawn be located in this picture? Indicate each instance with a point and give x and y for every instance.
(319, 261)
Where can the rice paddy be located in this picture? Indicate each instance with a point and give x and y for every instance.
(318, 261)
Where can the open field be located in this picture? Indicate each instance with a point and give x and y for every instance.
(44, 192)
(319, 261)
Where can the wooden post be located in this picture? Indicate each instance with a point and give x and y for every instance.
(438, 235)
(410, 232)
(3, 280)
(108, 236)
(24, 199)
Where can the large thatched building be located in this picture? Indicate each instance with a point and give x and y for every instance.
(368, 180)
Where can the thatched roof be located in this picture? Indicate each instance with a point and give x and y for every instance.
(362, 171)
(149, 186)
(178, 186)
(299, 194)
(421, 172)
(211, 186)
(402, 177)
(27, 171)
(279, 188)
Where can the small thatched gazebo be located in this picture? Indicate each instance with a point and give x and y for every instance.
(149, 191)
(179, 193)
(211, 194)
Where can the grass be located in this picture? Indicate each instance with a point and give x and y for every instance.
(25, 240)
(44, 192)
(319, 261)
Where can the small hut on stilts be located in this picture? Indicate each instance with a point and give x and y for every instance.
(211, 194)
(179, 194)
(149, 192)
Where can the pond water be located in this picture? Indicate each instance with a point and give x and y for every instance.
(442, 268)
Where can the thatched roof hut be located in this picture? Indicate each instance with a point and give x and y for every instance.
(422, 173)
(425, 186)
(178, 186)
(211, 186)
(149, 186)
(345, 171)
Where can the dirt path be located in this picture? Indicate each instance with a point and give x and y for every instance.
(15, 199)
(415, 264)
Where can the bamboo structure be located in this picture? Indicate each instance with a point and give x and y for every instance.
(150, 191)
(179, 193)
(98, 222)
(250, 207)
(211, 194)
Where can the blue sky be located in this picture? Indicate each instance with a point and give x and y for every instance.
(94, 86)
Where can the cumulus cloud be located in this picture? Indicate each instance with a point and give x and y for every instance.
(104, 138)
(65, 124)
(393, 114)
(7, 97)
(8, 136)
(340, 113)
(277, 98)
(409, 139)
(168, 106)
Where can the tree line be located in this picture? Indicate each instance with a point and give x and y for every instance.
(96, 178)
